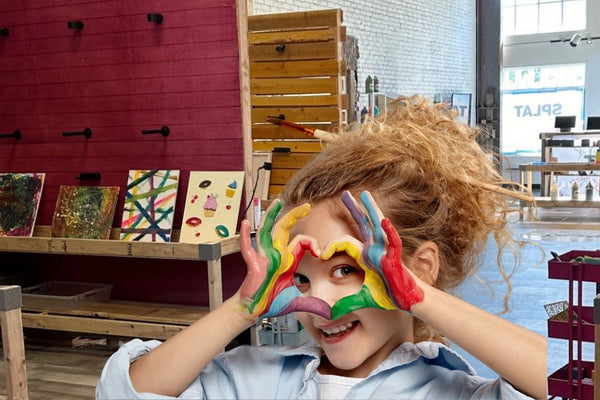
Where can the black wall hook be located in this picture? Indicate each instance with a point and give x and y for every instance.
(78, 25)
(158, 18)
(280, 116)
(87, 132)
(280, 48)
(88, 176)
(4, 32)
(16, 134)
(164, 130)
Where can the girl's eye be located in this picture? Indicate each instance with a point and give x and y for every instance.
(301, 282)
(343, 271)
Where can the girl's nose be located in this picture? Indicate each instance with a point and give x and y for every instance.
(325, 291)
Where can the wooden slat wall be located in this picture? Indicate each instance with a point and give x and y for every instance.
(119, 75)
(296, 69)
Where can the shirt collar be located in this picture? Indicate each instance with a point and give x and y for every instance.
(404, 354)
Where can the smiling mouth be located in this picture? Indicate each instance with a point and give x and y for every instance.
(339, 330)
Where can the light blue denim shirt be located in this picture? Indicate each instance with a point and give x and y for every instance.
(425, 370)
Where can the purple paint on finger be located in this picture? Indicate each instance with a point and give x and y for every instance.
(358, 216)
(308, 304)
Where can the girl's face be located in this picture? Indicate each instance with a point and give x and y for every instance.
(359, 341)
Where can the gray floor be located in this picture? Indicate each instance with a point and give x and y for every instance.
(558, 230)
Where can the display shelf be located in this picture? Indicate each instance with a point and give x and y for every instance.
(573, 380)
(121, 318)
(574, 156)
(117, 248)
(563, 202)
(118, 318)
(526, 179)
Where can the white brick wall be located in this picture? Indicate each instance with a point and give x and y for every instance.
(413, 46)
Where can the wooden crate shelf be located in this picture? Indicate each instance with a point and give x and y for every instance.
(131, 319)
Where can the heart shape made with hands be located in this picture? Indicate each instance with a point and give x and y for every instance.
(269, 285)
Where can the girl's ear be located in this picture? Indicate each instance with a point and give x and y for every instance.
(426, 261)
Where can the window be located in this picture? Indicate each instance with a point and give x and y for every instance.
(532, 97)
(520, 17)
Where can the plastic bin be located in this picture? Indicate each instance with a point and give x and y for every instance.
(64, 295)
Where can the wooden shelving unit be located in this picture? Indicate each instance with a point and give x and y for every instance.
(132, 319)
(526, 178)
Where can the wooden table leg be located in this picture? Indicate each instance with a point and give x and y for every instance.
(215, 284)
(12, 342)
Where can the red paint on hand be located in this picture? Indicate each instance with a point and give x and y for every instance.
(405, 290)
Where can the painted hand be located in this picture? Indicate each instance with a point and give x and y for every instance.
(389, 284)
(268, 289)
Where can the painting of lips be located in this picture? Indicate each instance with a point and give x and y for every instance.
(193, 222)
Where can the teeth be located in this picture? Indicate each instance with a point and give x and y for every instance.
(338, 329)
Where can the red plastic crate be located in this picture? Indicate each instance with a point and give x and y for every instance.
(559, 385)
(561, 269)
(560, 329)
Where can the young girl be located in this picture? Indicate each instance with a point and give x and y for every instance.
(363, 245)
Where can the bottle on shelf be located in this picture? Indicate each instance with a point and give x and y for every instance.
(589, 191)
(553, 187)
(369, 85)
(575, 191)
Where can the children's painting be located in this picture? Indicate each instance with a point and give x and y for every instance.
(212, 205)
(20, 195)
(85, 212)
(149, 205)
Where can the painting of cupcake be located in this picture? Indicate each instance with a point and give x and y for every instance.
(231, 188)
(210, 206)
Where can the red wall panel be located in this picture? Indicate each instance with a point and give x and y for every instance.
(120, 75)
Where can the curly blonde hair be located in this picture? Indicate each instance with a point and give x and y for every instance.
(429, 177)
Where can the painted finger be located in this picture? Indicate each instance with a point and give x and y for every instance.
(377, 250)
(395, 242)
(346, 243)
(403, 287)
(375, 215)
(290, 300)
(358, 301)
(265, 240)
(301, 243)
(281, 232)
(360, 219)
(247, 250)
(256, 266)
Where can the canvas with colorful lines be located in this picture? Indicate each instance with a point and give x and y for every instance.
(149, 205)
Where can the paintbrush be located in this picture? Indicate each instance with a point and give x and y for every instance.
(310, 132)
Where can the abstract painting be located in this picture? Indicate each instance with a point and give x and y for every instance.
(20, 195)
(149, 205)
(212, 205)
(85, 212)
